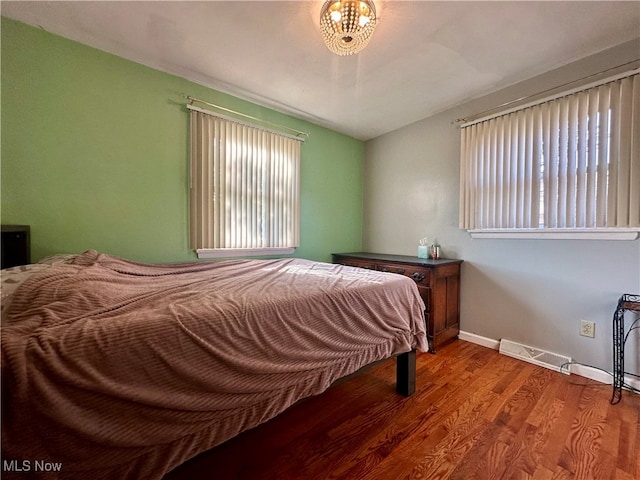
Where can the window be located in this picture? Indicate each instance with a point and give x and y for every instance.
(244, 188)
(566, 164)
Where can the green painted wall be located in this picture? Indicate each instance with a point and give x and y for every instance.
(94, 154)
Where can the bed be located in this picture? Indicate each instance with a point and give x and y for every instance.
(117, 369)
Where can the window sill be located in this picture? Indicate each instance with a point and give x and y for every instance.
(242, 252)
(559, 234)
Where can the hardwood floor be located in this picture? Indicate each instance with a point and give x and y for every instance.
(476, 414)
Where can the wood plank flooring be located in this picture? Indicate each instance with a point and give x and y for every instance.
(476, 414)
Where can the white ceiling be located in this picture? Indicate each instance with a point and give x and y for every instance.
(424, 57)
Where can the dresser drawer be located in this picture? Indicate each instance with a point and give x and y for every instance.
(421, 277)
(391, 269)
(418, 274)
(352, 262)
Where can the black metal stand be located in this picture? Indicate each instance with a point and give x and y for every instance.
(626, 302)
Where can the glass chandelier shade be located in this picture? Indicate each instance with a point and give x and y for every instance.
(347, 25)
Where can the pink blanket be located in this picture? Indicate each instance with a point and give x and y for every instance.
(114, 369)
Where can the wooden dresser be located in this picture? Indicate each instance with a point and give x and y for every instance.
(438, 282)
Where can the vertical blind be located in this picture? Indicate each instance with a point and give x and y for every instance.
(572, 162)
(244, 186)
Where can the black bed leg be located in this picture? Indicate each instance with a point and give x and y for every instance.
(406, 373)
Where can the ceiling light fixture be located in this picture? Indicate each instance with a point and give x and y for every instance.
(347, 25)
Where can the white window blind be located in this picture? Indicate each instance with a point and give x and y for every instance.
(244, 188)
(571, 162)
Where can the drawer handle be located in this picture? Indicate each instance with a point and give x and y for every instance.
(417, 276)
(400, 271)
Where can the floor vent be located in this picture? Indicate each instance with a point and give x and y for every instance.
(539, 357)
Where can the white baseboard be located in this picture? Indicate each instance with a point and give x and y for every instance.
(477, 339)
(582, 370)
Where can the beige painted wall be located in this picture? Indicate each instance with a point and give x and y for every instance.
(530, 291)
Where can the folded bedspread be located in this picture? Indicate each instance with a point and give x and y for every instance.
(115, 369)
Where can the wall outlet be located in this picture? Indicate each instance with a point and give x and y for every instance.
(587, 328)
